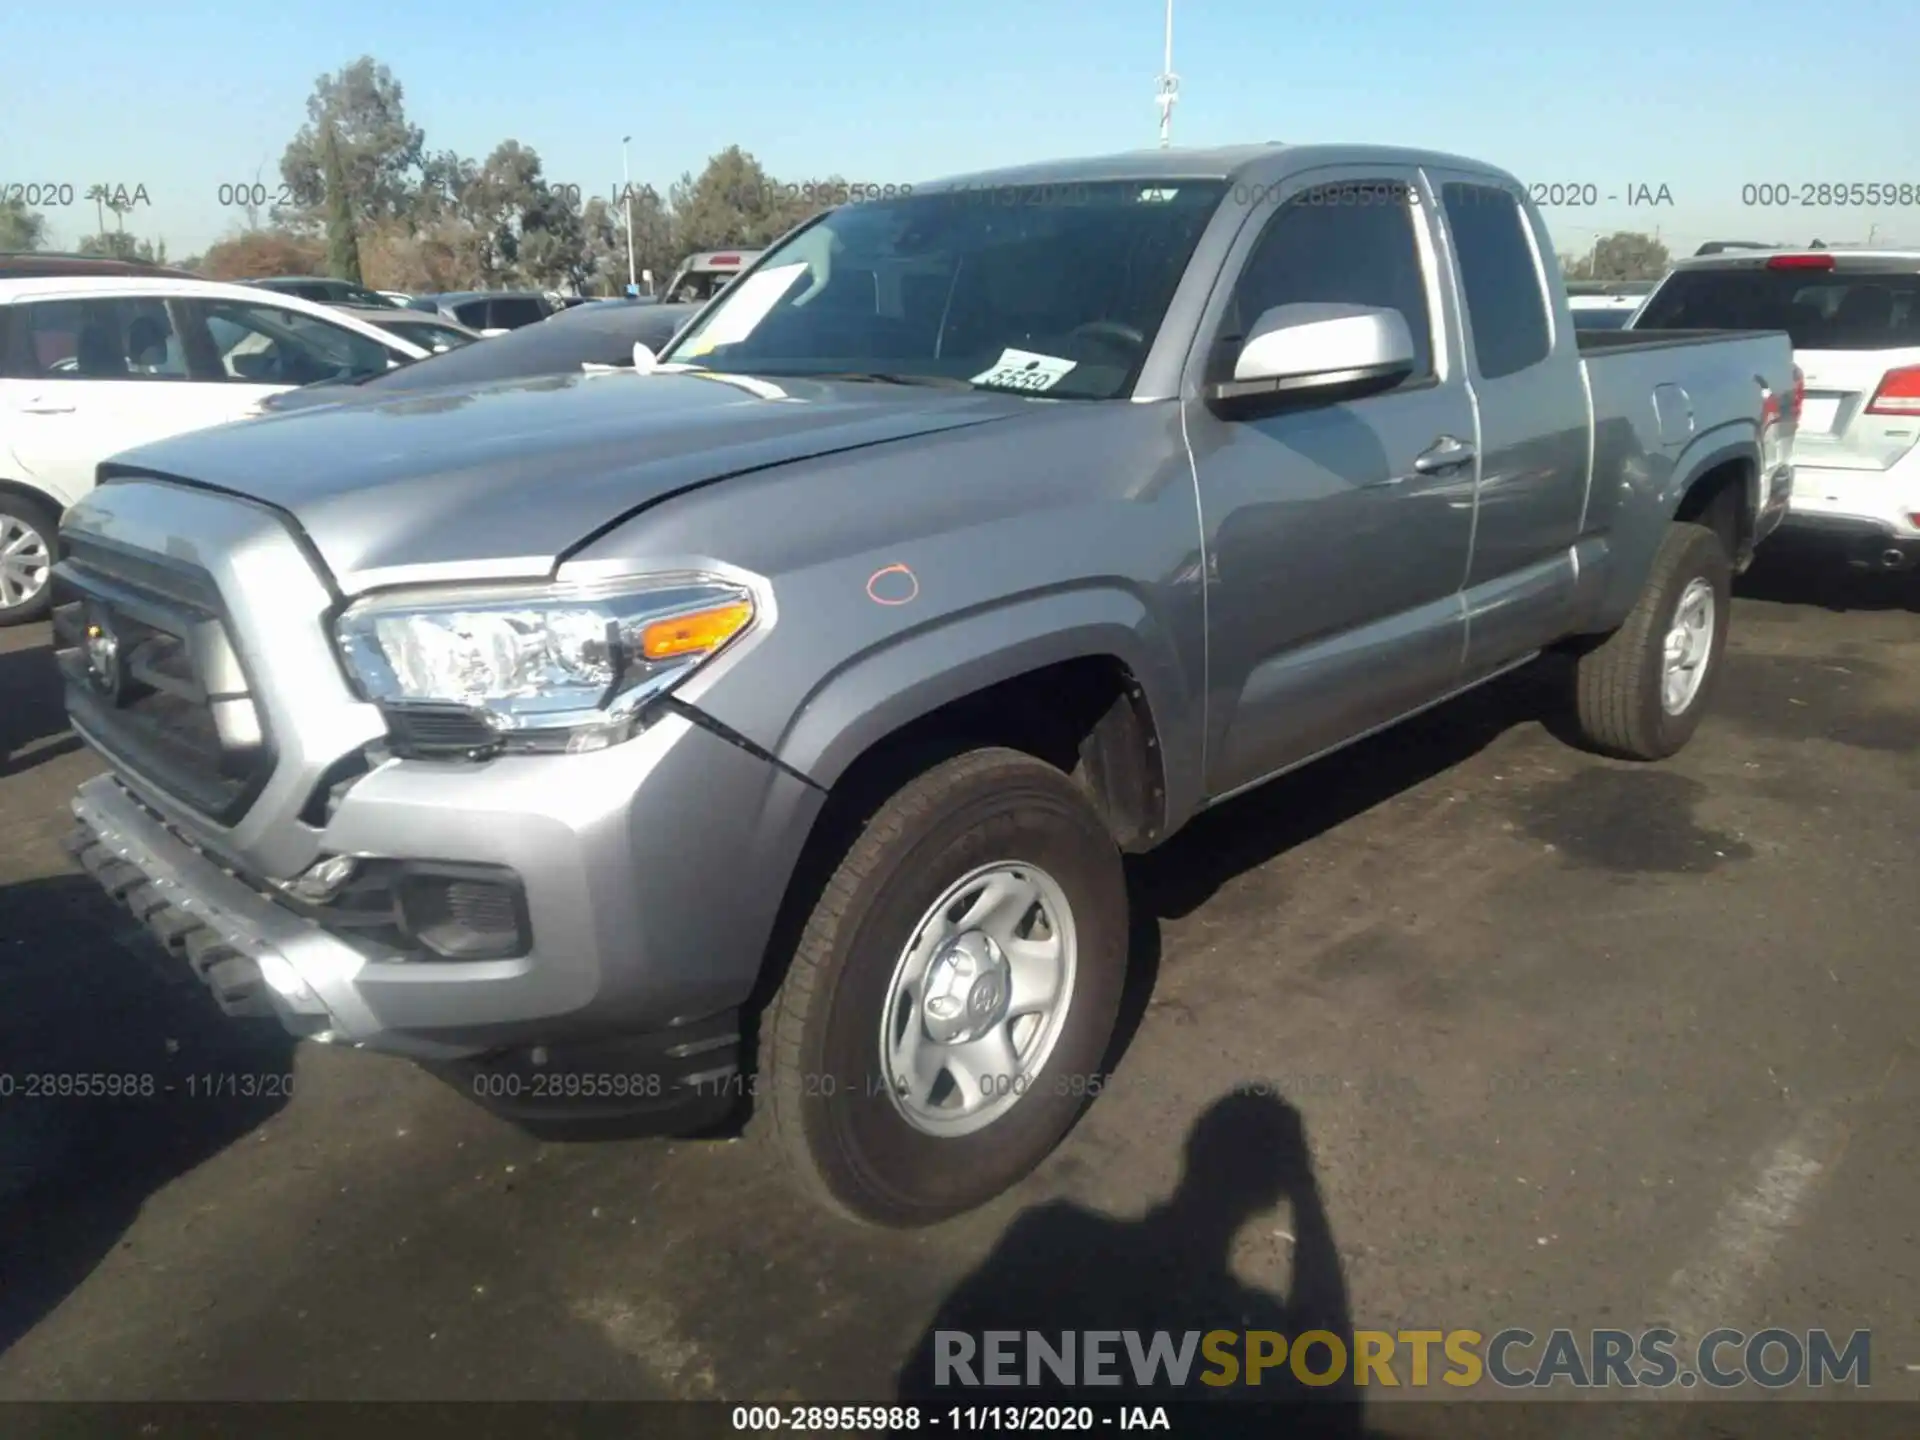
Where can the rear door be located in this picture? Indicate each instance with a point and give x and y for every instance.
(1855, 325)
(1535, 426)
(86, 377)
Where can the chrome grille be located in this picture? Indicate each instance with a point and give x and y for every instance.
(153, 680)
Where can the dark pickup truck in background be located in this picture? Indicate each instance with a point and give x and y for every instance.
(772, 722)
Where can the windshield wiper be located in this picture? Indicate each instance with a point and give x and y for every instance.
(887, 377)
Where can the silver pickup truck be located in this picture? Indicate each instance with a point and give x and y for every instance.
(769, 723)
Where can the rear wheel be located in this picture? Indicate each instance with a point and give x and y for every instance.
(953, 994)
(28, 528)
(1640, 695)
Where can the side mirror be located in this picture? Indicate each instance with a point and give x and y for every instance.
(1315, 351)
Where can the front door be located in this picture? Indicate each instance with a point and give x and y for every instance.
(1338, 532)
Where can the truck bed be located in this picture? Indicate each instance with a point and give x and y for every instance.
(1614, 341)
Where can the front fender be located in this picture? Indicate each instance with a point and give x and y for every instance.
(911, 675)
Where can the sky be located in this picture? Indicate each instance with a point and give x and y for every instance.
(1703, 97)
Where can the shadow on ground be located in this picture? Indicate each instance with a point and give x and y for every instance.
(114, 1067)
(1795, 574)
(1245, 834)
(31, 710)
(1061, 1271)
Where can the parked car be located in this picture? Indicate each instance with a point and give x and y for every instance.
(1854, 316)
(704, 275)
(600, 336)
(839, 657)
(324, 290)
(44, 264)
(429, 332)
(93, 363)
(1606, 305)
(488, 312)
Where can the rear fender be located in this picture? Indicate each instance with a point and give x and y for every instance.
(1643, 520)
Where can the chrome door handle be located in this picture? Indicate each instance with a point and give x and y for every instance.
(1446, 453)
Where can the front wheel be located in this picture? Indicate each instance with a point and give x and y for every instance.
(950, 1004)
(28, 530)
(1640, 695)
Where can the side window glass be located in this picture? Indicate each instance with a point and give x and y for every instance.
(473, 314)
(119, 338)
(1505, 304)
(266, 345)
(1350, 243)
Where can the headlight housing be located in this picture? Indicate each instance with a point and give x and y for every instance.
(550, 667)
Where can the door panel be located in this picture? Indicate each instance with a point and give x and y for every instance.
(90, 378)
(1334, 564)
(1524, 368)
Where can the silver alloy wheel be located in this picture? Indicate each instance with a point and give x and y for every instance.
(978, 998)
(1689, 646)
(24, 561)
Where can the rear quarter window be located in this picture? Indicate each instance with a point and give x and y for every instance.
(1506, 307)
(512, 313)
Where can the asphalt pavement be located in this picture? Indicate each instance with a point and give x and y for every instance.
(1571, 1043)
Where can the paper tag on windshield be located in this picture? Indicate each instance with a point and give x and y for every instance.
(745, 306)
(1025, 370)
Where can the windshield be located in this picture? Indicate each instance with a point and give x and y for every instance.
(1821, 310)
(1055, 288)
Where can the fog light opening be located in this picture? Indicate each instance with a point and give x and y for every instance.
(321, 881)
(474, 913)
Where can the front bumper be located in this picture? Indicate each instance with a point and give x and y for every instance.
(631, 861)
(644, 879)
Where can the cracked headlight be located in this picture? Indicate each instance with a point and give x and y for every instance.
(552, 667)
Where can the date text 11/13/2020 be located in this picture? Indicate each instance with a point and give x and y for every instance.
(896, 1419)
(595, 1085)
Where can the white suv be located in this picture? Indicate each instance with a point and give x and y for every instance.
(1854, 316)
(93, 364)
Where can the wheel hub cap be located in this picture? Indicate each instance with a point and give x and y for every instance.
(24, 561)
(978, 997)
(968, 986)
(1688, 648)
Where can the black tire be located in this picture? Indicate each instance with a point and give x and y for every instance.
(822, 1087)
(1617, 685)
(43, 519)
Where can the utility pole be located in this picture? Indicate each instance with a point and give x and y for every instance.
(626, 188)
(1169, 86)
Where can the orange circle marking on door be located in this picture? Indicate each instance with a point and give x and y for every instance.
(883, 590)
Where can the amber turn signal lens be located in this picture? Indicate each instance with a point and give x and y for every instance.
(693, 634)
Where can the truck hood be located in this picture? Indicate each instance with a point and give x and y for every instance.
(502, 481)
